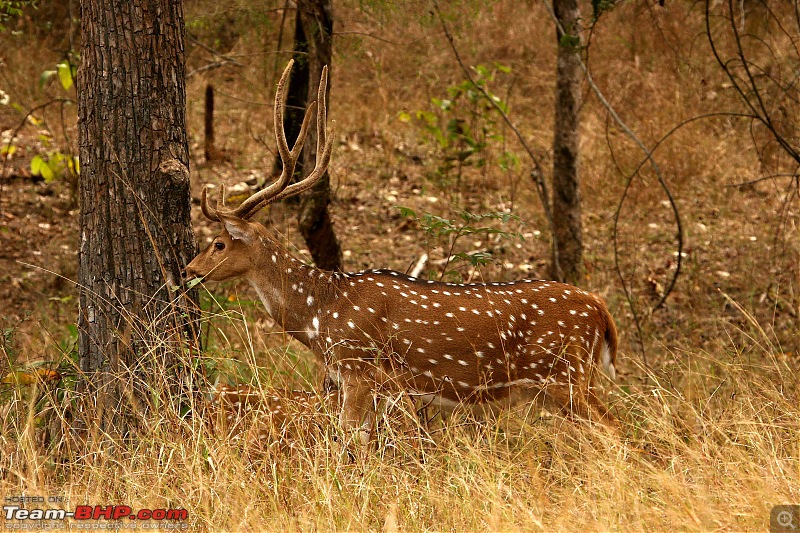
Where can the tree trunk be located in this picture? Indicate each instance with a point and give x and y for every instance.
(135, 225)
(567, 254)
(313, 50)
(212, 153)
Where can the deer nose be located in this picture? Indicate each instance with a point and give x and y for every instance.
(188, 273)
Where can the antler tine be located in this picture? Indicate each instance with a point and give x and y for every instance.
(324, 146)
(289, 157)
(322, 113)
(312, 179)
(209, 212)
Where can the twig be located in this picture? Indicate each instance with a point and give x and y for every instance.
(628, 293)
(279, 44)
(752, 97)
(794, 176)
(757, 111)
(210, 50)
(373, 36)
(216, 64)
(649, 156)
(791, 192)
(222, 61)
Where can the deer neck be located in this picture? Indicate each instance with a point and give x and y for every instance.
(294, 294)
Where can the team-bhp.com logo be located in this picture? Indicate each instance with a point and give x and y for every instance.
(94, 512)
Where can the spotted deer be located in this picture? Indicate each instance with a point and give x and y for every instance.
(477, 344)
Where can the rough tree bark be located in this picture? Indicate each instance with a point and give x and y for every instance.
(312, 51)
(135, 231)
(567, 264)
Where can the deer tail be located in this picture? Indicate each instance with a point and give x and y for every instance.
(609, 349)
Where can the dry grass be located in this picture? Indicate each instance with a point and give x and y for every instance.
(712, 444)
(711, 430)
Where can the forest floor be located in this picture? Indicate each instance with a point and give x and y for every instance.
(711, 437)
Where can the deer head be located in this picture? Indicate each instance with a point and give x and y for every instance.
(239, 248)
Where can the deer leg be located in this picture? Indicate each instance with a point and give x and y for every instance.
(568, 399)
(595, 409)
(357, 416)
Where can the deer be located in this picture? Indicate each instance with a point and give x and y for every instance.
(477, 345)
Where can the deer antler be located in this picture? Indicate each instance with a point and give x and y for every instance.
(279, 190)
(212, 213)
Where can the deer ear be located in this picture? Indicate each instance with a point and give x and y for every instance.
(237, 228)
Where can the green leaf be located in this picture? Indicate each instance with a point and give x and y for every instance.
(7, 150)
(192, 283)
(476, 258)
(45, 76)
(509, 161)
(453, 275)
(406, 212)
(56, 160)
(483, 71)
(402, 116)
(65, 75)
(39, 167)
(570, 41)
(500, 104)
(47, 172)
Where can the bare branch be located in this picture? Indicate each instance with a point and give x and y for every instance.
(762, 178)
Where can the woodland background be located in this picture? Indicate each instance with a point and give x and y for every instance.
(707, 383)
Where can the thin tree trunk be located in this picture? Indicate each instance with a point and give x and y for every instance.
(135, 226)
(316, 22)
(567, 264)
(212, 153)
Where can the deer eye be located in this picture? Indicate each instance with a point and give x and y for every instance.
(219, 246)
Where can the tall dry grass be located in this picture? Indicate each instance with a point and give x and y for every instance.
(710, 431)
(709, 443)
